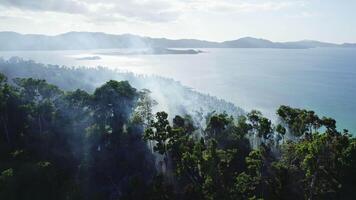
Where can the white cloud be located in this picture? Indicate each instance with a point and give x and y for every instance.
(143, 10)
(66, 6)
(238, 6)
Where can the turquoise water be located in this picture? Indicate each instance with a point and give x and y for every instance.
(321, 79)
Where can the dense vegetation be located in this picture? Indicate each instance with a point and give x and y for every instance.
(109, 145)
(183, 100)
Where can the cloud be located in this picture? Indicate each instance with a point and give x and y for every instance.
(143, 10)
(66, 6)
(148, 10)
(238, 6)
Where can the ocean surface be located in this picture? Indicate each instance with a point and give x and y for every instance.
(321, 79)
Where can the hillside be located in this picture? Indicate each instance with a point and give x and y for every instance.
(97, 40)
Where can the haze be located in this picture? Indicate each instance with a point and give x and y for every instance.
(215, 20)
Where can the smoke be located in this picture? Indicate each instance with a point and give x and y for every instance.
(171, 95)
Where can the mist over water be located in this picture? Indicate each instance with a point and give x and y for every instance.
(321, 79)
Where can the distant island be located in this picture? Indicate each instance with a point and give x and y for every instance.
(153, 51)
(96, 40)
(89, 58)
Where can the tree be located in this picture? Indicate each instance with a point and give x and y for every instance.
(246, 183)
(6, 92)
(113, 104)
(300, 122)
(78, 145)
(261, 127)
(144, 107)
(221, 128)
(281, 130)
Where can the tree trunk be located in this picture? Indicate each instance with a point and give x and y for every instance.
(312, 184)
(4, 122)
(40, 123)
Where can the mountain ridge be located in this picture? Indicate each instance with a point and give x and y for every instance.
(98, 40)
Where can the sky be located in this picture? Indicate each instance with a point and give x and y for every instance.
(215, 20)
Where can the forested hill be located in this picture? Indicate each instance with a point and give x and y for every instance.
(170, 94)
(96, 40)
(108, 144)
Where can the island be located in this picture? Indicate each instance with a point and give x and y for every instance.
(152, 51)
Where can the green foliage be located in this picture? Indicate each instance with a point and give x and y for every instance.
(77, 145)
(53, 144)
(321, 161)
(143, 111)
(160, 132)
(280, 129)
(260, 125)
(300, 122)
(312, 167)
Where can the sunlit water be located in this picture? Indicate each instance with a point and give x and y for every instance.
(321, 79)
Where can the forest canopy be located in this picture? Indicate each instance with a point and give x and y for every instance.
(108, 144)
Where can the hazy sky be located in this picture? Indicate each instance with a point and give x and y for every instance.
(218, 20)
